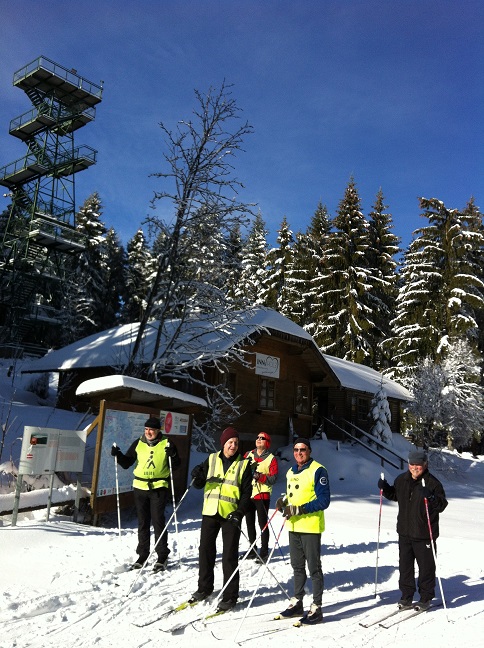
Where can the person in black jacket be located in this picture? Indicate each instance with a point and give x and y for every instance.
(226, 478)
(152, 454)
(413, 527)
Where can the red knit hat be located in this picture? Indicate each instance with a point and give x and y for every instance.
(228, 433)
(266, 437)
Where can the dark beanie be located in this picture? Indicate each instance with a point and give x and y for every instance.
(153, 422)
(302, 440)
(228, 433)
(417, 457)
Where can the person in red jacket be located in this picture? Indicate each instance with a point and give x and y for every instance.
(264, 474)
(413, 527)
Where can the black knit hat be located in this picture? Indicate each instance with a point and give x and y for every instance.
(302, 440)
(154, 423)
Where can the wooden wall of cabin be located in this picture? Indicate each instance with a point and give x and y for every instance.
(273, 420)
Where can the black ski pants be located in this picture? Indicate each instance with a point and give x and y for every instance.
(211, 525)
(150, 509)
(261, 507)
(411, 550)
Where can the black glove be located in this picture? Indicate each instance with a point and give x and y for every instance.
(427, 493)
(235, 518)
(115, 451)
(281, 504)
(198, 475)
(170, 450)
(383, 484)
(291, 510)
(257, 476)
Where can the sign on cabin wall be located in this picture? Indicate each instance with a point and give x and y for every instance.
(267, 365)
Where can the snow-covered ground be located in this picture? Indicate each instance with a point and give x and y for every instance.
(65, 583)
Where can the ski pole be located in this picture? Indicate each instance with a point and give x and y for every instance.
(266, 565)
(117, 490)
(378, 539)
(174, 503)
(433, 551)
(161, 535)
(233, 574)
(272, 529)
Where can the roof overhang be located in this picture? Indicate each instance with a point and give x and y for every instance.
(125, 389)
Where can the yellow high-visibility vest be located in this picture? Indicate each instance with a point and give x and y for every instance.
(222, 491)
(300, 490)
(152, 468)
(262, 467)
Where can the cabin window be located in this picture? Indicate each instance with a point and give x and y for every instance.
(267, 394)
(363, 410)
(302, 399)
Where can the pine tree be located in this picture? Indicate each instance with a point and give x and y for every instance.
(233, 264)
(113, 284)
(316, 274)
(442, 289)
(253, 285)
(381, 417)
(448, 400)
(84, 292)
(384, 245)
(136, 277)
(280, 263)
(346, 283)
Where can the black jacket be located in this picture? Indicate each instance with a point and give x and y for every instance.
(412, 517)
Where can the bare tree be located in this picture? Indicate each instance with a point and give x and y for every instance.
(200, 185)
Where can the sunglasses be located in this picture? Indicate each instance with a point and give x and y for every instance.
(301, 450)
(261, 438)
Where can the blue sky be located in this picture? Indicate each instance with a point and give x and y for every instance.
(389, 92)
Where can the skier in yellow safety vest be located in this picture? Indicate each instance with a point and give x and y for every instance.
(308, 495)
(152, 454)
(227, 482)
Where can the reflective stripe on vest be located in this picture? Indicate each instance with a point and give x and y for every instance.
(222, 491)
(152, 469)
(262, 467)
(300, 490)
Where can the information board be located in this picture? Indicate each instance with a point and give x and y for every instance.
(123, 427)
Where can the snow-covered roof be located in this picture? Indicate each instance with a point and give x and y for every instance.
(361, 378)
(112, 348)
(112, 384)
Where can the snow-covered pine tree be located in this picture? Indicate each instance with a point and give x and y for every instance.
(448, 405)
(380, 417)
(233, 263)
(253, 284)
(317, 241)
(384, 246)
(113, 285)
(139, 265)
(84, 291)
(346, 284)
(441, 290)
(280, 261)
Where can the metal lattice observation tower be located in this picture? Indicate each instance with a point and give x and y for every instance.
(38, 234)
